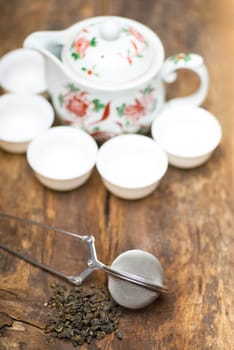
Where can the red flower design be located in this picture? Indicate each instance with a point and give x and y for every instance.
(136, 34)
(147, 101)
(81, 45)
(129, 60)
(77, 104)
(135, 46)
(135, 111)
(181, 56)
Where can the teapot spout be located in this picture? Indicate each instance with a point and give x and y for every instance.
(49, 44)
(46, 42)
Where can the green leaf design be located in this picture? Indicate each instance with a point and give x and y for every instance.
(154, 106)
(72, 87)
(121, 110)
(178, 57)
(75, 55)
(60, 100)
(187, 57)
(96, 128)
(98, 105)
(148, 90)
(125, 30)
(175, 58)
(93, 42)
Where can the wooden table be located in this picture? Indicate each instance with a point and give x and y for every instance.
(187, 222)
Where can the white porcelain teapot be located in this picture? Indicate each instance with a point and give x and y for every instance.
(106, 74)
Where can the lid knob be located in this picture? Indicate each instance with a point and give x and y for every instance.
(110, 30)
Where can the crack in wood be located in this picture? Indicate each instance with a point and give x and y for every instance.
(16, 324)
(107, 208)
(5, 320)
(7, 291)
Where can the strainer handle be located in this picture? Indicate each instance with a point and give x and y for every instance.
(135, 279)
(93, 263)
(40, 224)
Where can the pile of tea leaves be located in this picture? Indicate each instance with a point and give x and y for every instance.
(81, 315)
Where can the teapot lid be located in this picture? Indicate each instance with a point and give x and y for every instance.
(113, 51)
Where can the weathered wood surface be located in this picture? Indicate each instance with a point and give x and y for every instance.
(187, 222)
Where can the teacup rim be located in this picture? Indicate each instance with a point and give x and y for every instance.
(142, 137)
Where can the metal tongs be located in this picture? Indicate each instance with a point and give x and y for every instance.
(93, 263)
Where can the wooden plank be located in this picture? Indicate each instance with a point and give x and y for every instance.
(187, 222)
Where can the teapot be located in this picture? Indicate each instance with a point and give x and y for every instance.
(106, 75)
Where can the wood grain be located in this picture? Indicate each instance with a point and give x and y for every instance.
(187, 222)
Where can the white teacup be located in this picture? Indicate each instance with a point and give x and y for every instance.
(22, 70)
(63, 157)
(22, 118)
(188, 134)
(131, 166)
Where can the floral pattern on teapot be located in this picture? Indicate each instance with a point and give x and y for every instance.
(93, 114)
(142, 106)
(181, 57)
(80, 46)
(137, 43)
(86, 40)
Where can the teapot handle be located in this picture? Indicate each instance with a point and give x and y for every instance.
(191, 62)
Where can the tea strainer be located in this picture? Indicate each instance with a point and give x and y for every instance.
(135, 278)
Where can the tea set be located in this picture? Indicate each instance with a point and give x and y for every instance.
(105, 77)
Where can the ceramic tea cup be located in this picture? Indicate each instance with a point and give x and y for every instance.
(188, 134)
(131, 166)
(22, 70)
(63, 157)
(22, 118)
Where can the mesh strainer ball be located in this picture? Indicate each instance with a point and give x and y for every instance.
(140, 263)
